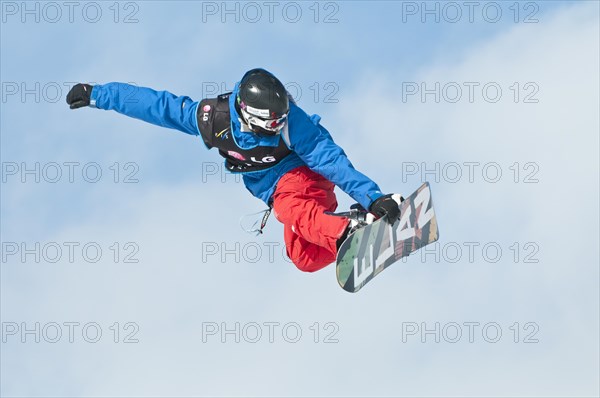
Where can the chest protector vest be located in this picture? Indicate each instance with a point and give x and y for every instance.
(214, 121)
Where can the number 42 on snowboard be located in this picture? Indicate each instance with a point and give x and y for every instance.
(371, 249)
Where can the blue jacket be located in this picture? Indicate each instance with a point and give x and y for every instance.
(310, 142)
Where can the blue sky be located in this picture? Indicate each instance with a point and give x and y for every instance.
(541, 212)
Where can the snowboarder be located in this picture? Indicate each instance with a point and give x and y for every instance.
(287, 158)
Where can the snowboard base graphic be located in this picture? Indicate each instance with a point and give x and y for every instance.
(371, 249)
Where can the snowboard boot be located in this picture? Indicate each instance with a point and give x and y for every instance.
(359, 217)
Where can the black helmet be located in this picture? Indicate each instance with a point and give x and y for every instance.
(262, 102)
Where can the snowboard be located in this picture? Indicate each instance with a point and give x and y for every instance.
(373, 248)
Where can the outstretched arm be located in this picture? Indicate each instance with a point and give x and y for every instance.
(157, 107)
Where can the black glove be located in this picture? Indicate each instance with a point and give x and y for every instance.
(386, 205)
(79, 95)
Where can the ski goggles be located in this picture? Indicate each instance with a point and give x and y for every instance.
(271, 125)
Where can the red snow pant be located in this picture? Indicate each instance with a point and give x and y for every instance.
(299, 202)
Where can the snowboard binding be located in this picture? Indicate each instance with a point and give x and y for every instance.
(357, 213)
(359, 217)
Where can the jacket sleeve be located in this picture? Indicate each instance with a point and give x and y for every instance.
(314, 145)
(157, 107)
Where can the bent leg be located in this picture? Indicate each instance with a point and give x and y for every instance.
(299, 202)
